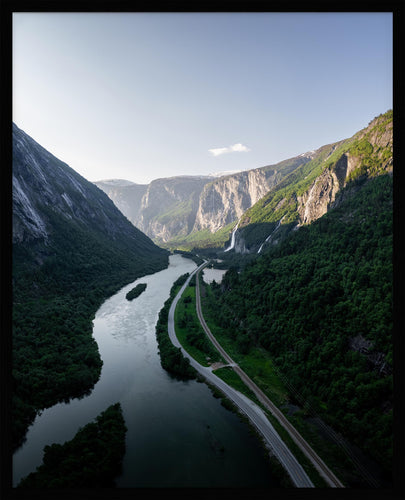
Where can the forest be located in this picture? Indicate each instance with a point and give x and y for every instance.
(171, 357)
(136, 291)
(92, 459)
(320, 302)
(54, 356)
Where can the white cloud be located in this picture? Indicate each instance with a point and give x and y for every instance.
(238, 148)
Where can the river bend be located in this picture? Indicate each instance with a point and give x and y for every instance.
(178, 434)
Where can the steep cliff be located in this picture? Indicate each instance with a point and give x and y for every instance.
(186, 209)
(169, 206)
(369, 153)
(314, 188)
(225, 200)
(48, 193)
(72, 248)
(126, 195)
(163, 209)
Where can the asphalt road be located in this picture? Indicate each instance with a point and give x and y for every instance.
(255, 414)
(318, 463)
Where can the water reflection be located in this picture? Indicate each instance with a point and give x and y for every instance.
(178, 434)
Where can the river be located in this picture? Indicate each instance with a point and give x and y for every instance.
(178, 434)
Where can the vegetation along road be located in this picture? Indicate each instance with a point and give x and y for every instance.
(318, 463)
(248, 407)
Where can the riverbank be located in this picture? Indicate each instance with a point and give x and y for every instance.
(250, 409)
(175, 427)
(258, 364)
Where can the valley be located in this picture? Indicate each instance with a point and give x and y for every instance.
(285, 196)
(305, 306)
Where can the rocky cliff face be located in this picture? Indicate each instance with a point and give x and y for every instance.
(47, 194)
(311, 190)
(177, 207)
(162, 209)
(370, 147)
(320, 196)
(126, 195)
(226, 199)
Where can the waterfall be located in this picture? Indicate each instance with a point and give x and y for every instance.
(232, 238)
(269, 236)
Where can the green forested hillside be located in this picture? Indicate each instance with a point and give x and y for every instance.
(54, 354)
(321, 303)
(367, 153)
(72, 249)
(365, 146)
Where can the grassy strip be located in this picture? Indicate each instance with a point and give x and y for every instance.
(189, 330)
(228, 375)
(313, 474)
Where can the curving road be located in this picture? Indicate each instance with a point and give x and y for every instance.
(248, 407)
(317, 462)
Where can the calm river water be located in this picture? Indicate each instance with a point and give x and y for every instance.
(178, 434)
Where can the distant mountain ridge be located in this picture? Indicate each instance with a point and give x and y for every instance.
(174, 209)
(186, 212)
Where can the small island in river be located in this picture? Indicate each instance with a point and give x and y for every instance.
(92, 459)
(136, 292)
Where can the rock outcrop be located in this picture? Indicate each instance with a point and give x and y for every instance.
(319, 198)
(372, 145)
(47, 194)
(225, 200)
(176, 207)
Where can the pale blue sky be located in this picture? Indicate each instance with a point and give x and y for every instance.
(140, 96)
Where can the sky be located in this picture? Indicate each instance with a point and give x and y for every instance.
(140, 96)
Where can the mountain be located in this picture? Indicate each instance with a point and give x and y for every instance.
(315, 290)
(72, 248)
(163, 208)
(259, 206)
(126, 195)
(47, 192)
(179, 211)
(320, 302)
(227, 198)
(314, 188)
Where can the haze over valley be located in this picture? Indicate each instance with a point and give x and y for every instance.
(202, 252)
